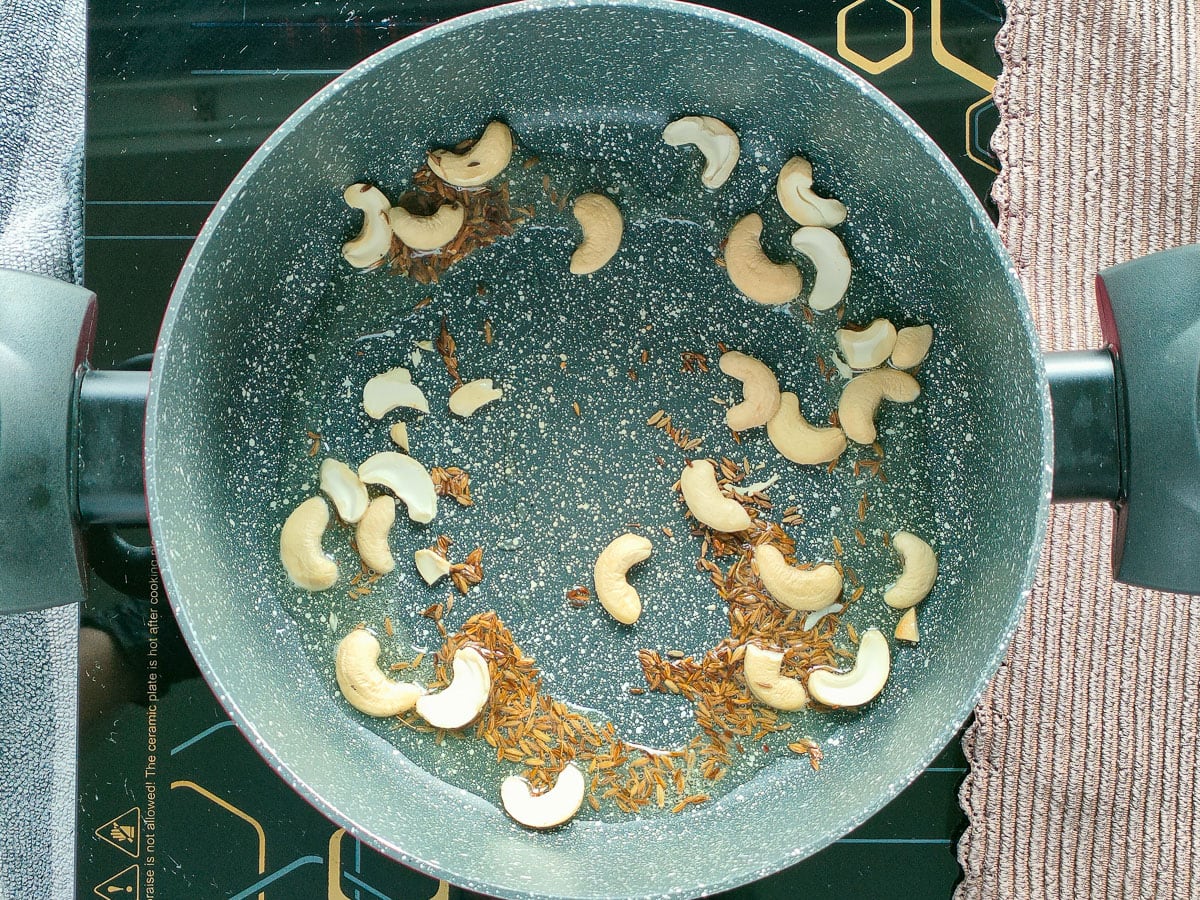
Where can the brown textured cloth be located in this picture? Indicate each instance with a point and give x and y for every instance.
(1083, 753)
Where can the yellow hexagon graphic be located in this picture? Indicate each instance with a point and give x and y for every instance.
(874, 66)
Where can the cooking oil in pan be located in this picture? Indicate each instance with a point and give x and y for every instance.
(565, 461)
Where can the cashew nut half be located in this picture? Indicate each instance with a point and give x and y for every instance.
(799, 441)
(869, 347)
(760, 390)
(427, 232)
(860, 684)
(712, 137)
(371, 536)
(761, 668)
(300, 547)
(698, 483)
(602, 230)
(473, 395)
(752, 271)
(399, 435)
(342, 486)
(364, 684)
(906, 628)
(912, 344)
(828, 255)
(404, 477)
(613, 591)
(391, 389)
(920, 568)
(803, 589)
(549, 808)
(433, 567)
(862, 395)
(375, 239)
(478, 164)
(458, 704)
(795, 193)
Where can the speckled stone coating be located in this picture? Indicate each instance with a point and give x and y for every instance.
(270, 335)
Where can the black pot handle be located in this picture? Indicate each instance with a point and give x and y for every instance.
(1127, 418)
(70, 450)
(111, 418)
(46, 333)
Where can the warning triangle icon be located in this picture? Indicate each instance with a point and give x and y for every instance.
(125, 885)
(124, 832)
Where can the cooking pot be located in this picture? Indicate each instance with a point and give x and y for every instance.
(269, 336)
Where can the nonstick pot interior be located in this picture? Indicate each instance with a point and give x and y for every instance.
(267, 325)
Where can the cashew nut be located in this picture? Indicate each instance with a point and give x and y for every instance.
(300, 547)
(602, 229)
(795, 193)
(427, 232)
(752, 271)
(616, 594)
(860, 684)
(433, 567)
(761, 668)
(364, 684)
(549, 808)
(869, 347)
(375, 239)
(862, 395)
(906, 628)
(760, 390)
(829, 257)
(459, 703)
(391, 389)
(404, 477)
(912, 344)
(698, 483)
(799, 441)
(920, 571)
(371, 536)
(803, 589)
(342, 486)
(480, 163)
(399, 435)
(473, 395)
(712, 137)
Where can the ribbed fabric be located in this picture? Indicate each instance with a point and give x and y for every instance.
(1083, 753)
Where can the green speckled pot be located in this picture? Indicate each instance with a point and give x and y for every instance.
(266, 325)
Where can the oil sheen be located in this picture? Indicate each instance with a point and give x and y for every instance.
(552, 487)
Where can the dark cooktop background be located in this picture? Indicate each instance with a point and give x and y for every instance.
(181, 93)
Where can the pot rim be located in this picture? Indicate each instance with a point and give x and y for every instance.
(785, 42)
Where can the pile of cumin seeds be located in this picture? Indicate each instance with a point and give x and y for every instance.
(469, 572)
(452, 482)
(489, 217)
(541, 734)
(727, 714)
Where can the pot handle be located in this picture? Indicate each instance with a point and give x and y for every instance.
(46, 333)
(111, 481)
(70, 450)
(1127, 418)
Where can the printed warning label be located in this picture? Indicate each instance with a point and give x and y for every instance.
(124, 832)
(125, 885)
